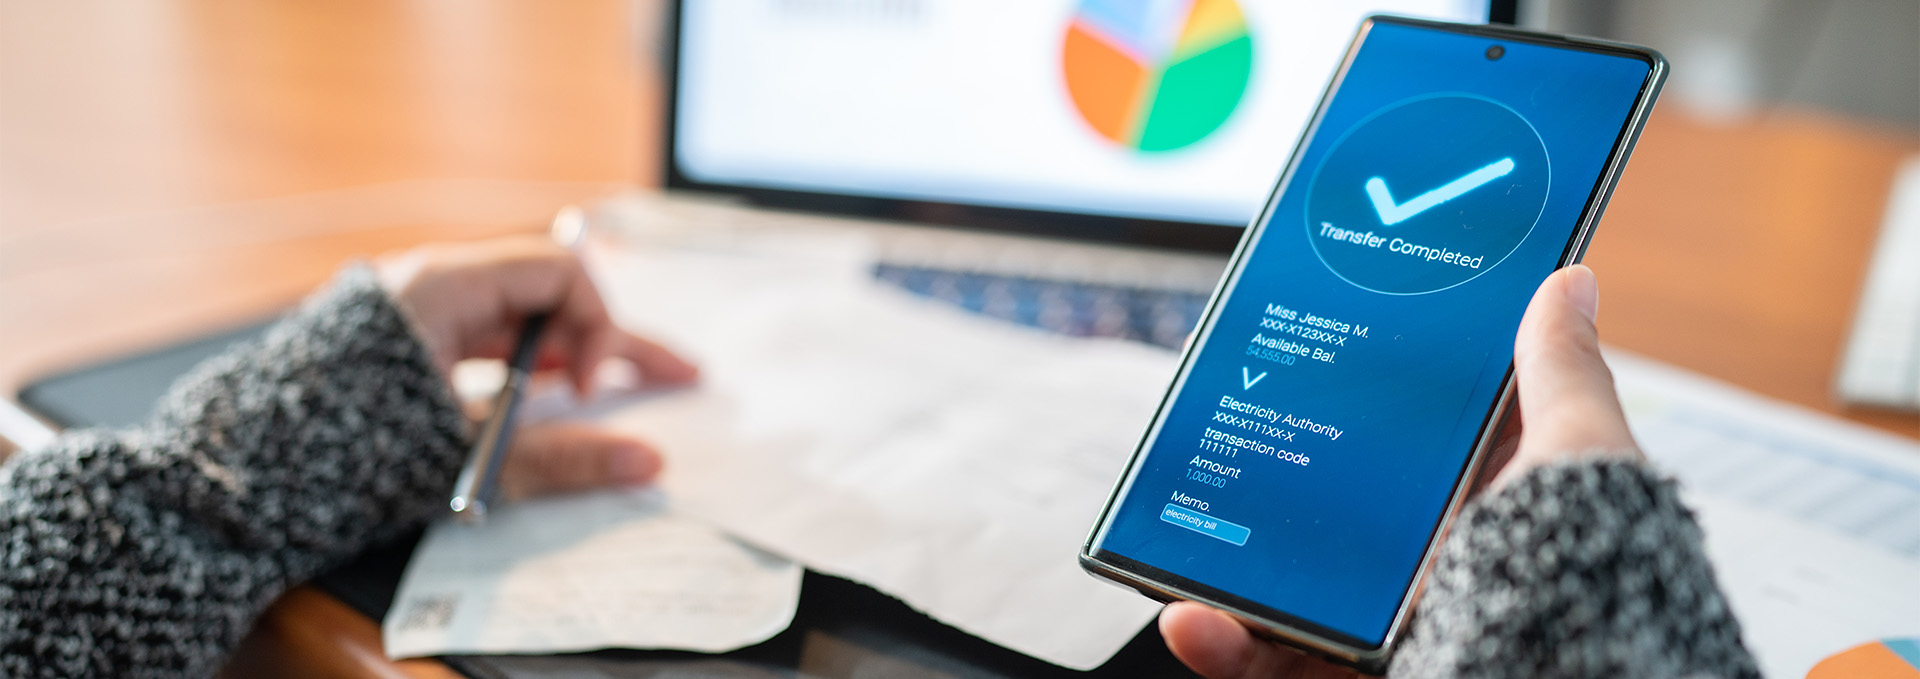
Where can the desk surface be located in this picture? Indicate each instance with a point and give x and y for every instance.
(170, 169)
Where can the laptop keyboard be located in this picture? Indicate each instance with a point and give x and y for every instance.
(1160, 317)
(1073, 288)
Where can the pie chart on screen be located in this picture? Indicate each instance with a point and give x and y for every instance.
(1884, 659)
(1157, 75)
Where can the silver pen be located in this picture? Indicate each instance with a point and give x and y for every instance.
(480, 478)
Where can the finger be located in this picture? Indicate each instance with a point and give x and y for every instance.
(551, 458)
(486, 290)
(495, 344)
(593, 335)
(554, 359)
(1566, 390)
(541, 277)
(586, 351)
(657, 363)
(555, 354)
(1505, 443)
(535, 275)
(1216, 646)
(1209, 642)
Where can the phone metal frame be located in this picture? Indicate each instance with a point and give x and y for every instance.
(1299, 633)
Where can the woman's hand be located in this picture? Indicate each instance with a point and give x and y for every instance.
(1214, 644)
(468, 300)
(1568, 408)
(1570, 412)
(549, 458)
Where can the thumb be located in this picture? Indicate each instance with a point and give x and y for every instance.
(1567, 399)
(561, 457)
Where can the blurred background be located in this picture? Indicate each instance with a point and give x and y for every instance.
(151, 141)
(1858, 59)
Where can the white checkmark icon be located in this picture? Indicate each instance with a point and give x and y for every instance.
(1391, 213)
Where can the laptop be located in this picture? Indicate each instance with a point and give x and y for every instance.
(1108, 142)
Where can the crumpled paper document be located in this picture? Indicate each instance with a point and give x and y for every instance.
(950, 460)
(611, 569)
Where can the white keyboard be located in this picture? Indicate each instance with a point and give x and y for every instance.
(1881, 364)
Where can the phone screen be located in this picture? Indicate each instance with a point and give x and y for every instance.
(1336, 391)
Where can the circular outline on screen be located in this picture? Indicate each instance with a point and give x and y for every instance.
(1306, 221)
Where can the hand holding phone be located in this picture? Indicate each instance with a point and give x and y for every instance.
(1574, 413)
(1349, 374)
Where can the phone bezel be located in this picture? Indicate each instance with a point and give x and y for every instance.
(1306, 635)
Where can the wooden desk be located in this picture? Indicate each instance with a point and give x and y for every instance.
(125, 131)
(1738, 250)
(166, 169)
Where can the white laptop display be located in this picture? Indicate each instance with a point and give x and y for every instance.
(1161, 122)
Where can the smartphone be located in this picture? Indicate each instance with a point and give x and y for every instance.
(1353, 363)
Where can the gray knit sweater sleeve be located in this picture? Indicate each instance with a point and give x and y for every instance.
(1573, 571)
(149, 552)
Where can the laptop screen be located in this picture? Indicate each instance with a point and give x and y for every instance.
(1174, 111)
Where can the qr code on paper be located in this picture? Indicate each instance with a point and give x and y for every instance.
(429, 613)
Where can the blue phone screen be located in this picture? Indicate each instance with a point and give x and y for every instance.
(1319, 429)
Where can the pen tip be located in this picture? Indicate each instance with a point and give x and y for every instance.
(569, 226)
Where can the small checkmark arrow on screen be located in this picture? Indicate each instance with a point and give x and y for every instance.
(1248, 379)
(1391, 213)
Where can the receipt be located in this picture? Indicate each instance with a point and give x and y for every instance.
(947, 459)
(601, 570)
